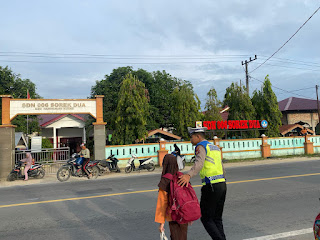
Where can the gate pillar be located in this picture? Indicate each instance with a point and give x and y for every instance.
(7, 145)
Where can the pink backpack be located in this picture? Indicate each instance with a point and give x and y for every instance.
(183, 201)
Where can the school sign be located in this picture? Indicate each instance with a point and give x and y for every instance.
(233, 124)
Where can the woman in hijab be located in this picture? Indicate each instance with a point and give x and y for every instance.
(28, 162)
(177, 231)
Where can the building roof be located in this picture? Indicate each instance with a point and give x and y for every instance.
(297, 104)
(284, 129)
(47, 119)
(18, 137)
(223, 113)
(153, 132)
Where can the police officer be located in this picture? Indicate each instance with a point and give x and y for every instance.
(213, 192)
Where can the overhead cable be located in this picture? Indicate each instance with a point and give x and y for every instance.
(287, 40)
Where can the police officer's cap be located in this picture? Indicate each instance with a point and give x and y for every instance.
(196, 130)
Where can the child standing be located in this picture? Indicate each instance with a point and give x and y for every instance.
(177, 231)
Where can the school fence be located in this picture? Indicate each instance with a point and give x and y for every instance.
(230, 148)
(50, 158)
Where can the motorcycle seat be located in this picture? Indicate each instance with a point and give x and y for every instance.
(143, 160)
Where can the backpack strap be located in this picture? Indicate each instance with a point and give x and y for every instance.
(168, 176)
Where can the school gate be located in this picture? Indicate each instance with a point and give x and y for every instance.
(14, 107)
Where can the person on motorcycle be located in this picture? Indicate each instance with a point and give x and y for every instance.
(85, 153)
(28, 162)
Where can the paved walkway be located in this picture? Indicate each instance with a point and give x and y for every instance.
(52, 178)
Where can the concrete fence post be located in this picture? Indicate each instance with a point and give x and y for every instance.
(308, 145)
(216, 142)
(162, 152)
(265, 147)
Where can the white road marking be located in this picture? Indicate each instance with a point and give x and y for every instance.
(283, 235)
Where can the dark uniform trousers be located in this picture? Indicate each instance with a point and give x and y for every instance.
(212, 201)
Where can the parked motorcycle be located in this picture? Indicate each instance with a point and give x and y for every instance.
(108, 165)
(74, 168)
(146, 163)
(36, 171)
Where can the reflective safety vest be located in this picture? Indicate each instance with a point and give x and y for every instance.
(212, 171)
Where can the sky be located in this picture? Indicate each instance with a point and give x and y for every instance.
(64, 47)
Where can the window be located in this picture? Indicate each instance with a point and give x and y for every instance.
(123, 152)
(130, 151)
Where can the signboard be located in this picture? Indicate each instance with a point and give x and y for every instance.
(198, 124)
(235, 124)
(58, 106)
(36, 143)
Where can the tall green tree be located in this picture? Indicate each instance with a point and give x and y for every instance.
(159, 84)
(267, 108)
(212, 109)
(213, 106)
(185, 108)
(110, 87)
(241, 108)
(132, 111)
(12, 84)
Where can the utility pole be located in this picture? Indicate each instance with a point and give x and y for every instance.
(247, 75)
(318, 105)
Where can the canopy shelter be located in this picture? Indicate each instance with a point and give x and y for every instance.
(293, 130)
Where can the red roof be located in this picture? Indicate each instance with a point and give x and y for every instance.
(297, 104)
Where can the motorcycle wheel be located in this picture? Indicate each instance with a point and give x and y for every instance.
(193, 159)
(128, 169)
(11, 177)
(118, 169)
(63, 174)
(41, 174)
(152, 167)
(94, 171)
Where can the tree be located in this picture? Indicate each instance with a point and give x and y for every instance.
(12, 84)
(241, 107)
(185, 107)
(267, 108)
(132, 111)
(110, 87)
(160, 85)
(212, 107)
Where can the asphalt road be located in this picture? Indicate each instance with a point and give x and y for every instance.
(263, 200)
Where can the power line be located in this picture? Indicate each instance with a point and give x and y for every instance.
(280, 88)
(286, 41)
(199, 62)
(119, 55)
(309, 69)
(290, 60)
(299, 90)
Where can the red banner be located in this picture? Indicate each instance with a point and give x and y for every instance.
(232, 124)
